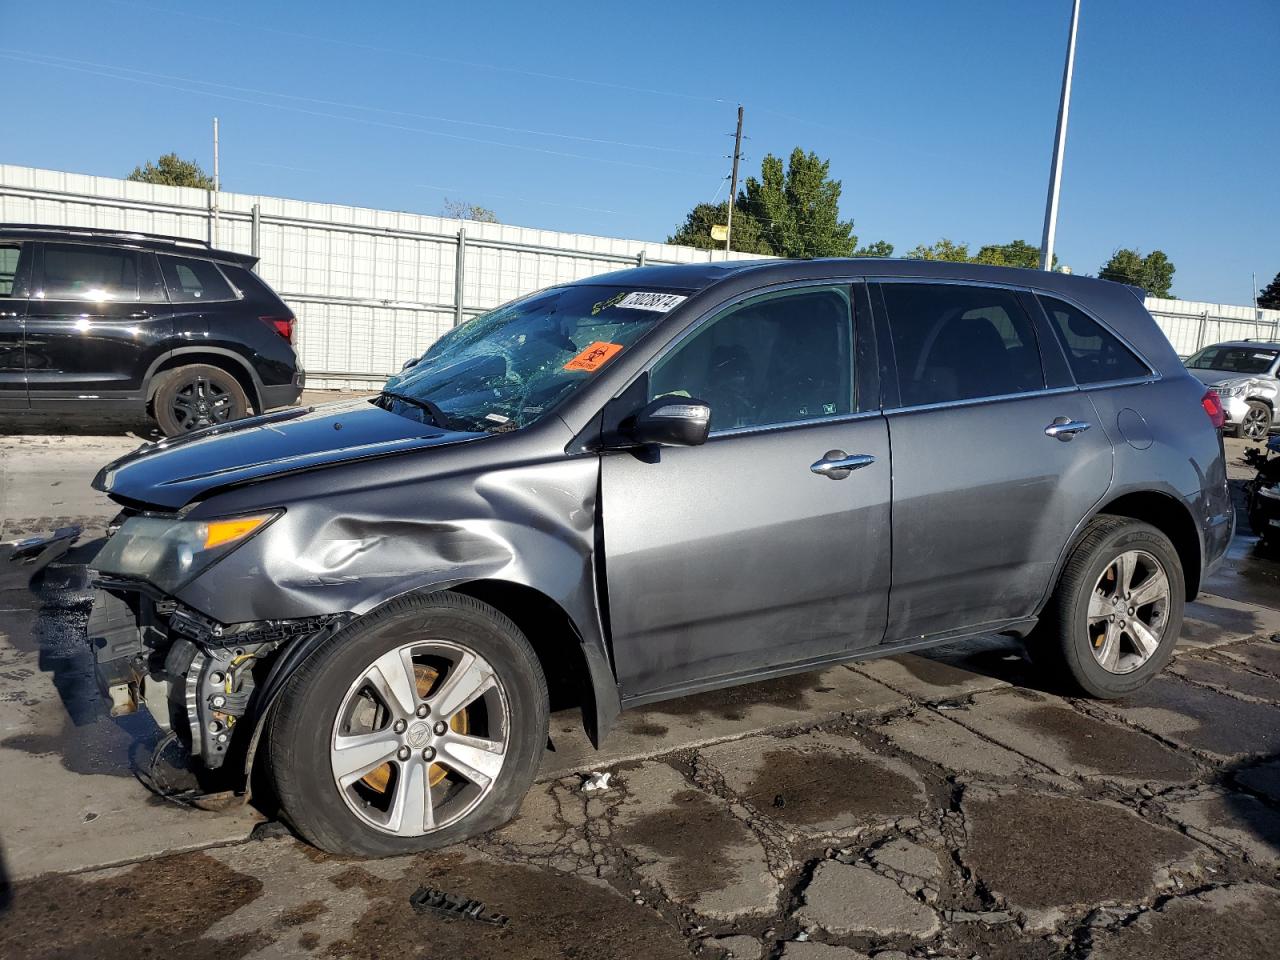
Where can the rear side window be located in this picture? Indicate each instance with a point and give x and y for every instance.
(74, 271)
(1095, 355)
(960, 342)
(194, 281)
(780, 358)
(9, 254)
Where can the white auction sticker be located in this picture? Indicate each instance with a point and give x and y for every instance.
(658, 302)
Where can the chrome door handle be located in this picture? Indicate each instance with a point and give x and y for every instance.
(1064, 428)
(836, 464)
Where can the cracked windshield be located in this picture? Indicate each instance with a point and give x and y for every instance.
(504, 369)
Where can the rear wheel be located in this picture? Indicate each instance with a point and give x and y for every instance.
(197, 396)
(1256, 424)
(1116, 613)
(418, 726)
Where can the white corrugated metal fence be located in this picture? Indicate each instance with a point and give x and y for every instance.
(372, 287)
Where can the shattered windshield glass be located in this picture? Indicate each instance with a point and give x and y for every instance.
(507, 368)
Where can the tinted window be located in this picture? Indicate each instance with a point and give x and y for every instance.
(9, 253)
(1094, 354)
(1249, 360)
(80, 272)
(194, 281)
(959, 342)
(775, 359)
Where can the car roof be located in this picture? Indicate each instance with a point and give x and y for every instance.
(695, 276)
(156, 242)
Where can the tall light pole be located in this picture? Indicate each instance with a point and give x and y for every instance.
(217, 186)
(1059, 146)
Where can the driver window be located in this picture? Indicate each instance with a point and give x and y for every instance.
(780, 358)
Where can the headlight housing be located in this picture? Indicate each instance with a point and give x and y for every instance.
(169, 552)
(1231, 390)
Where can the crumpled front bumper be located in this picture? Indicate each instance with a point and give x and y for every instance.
(20, 560)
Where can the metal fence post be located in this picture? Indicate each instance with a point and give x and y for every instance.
(640, 259)
(459, 272)
(1204, 329)
(255, 234)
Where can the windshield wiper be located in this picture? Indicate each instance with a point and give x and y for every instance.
(438, 416)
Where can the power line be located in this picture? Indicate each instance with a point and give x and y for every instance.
(54, 58)
(240, 24)
(363, 120)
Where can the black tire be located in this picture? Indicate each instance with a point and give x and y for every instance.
(1257, 423)
(195, 396)
(301, 723)
(1061, 642)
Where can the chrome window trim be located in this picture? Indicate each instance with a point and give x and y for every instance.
(792, 424)
(980, 401)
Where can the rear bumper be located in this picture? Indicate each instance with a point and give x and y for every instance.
(285, 394)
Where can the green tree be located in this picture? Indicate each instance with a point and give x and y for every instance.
(696, 229)
(1019, 253)
(791, 212)
(171, 170)
(1269, 298)
(944, 249)
(461, 210)
(881, 248)
(799, 210)
(1154, 272)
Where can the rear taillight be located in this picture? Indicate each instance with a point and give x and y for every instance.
(1213, 407)
(281, 325)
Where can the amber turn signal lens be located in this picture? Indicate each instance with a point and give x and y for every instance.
(221, 532)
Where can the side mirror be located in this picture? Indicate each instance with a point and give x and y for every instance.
(671, 422)
(411, 362)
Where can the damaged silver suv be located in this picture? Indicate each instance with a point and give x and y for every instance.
(642, 486)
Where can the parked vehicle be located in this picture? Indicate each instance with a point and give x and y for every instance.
(100, 322)
(647, 485)
(1246, 376)
(1262, 493)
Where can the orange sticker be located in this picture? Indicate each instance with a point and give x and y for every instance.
(594, 356)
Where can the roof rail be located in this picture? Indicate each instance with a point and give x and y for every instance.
(117, 234)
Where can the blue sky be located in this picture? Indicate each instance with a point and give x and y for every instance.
(615, 118)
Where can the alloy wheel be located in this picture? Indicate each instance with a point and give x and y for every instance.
(1255, 424)
(201, 403)
(420, 737)
(1128, 612)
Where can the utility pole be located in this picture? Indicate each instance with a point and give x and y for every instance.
(216, 183)
(733, 188)
(1059, 146)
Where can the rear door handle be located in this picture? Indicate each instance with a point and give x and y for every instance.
(836, 464)
(1064, 428)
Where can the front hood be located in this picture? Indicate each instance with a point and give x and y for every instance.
(1216, 378)
(171, 473)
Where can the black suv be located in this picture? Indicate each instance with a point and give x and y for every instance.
(131, 321)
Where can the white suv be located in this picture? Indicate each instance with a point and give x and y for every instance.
(1246, 376)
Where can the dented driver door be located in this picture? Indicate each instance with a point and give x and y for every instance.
(768, 546)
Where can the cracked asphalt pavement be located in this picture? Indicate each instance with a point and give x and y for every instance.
(947, 805)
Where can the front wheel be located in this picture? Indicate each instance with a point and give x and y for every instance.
(1116, 613)
(1256, 423)
(420, 725)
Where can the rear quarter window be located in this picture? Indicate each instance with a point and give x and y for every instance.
(1095, 354)
(189, 280)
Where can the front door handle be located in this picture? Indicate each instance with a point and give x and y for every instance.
(1064, 428)
(836, 464)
